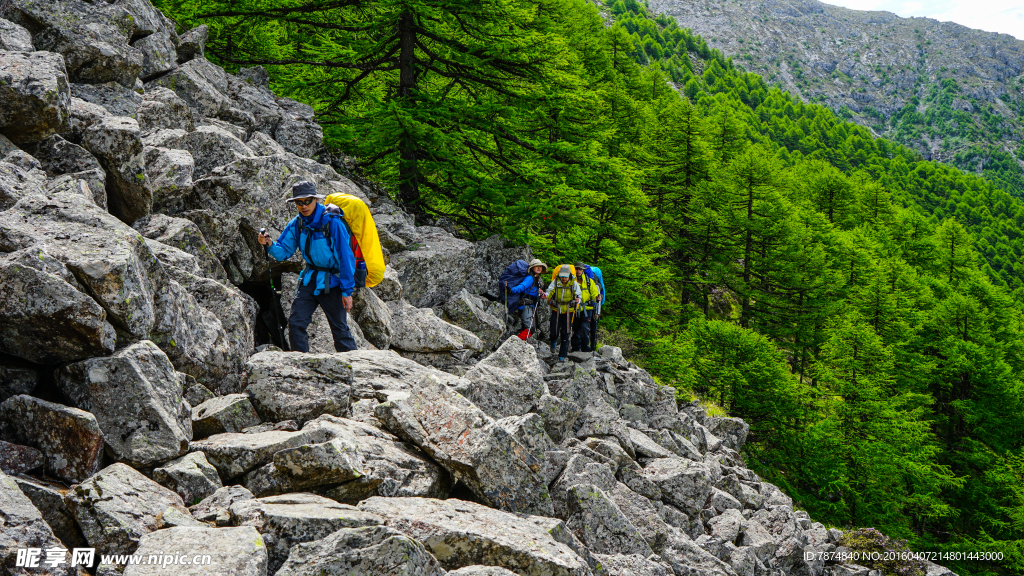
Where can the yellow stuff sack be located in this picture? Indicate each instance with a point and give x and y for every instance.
(360, 221)
(554, 274)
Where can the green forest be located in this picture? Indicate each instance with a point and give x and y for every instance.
(859, 307)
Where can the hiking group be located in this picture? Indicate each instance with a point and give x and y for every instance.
(339, 243)
(575, 297)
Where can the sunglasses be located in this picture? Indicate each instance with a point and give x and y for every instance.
(305, 202)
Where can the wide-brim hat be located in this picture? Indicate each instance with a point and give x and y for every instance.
(304, 190)
(536, 262)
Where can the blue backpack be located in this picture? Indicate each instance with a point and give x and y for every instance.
(513, 275)
(594, 273)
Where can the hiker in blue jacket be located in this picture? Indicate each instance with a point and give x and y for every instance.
(328, 279)
(531, 291)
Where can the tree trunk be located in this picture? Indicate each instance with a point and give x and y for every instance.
(408, 170)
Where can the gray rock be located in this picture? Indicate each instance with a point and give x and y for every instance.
(184, 235)
(367, 551)
(470, 445)
(168, 171)
(255, 97)
(642, 514)
(22, 526)
(116, 99)
(234, 454)
(236, 551)
(16, 377)
(115, 141)
(192, 44)
(683, 483)
(37, 98)
(216, 507)
(263, 145)
(686, 557)
(291, 519)
(732, 431)
(69, 438)
(17, 181)
(365, 460)
(14, 38)
(462, 534)
(390, 287)
(165, 138)
(722, 501)
(580, 470)
(467, 311)
(600, 418)
(230, 413)
(58, 156)
(509, 382)
(16, 459)
(200, 84)
(482, 571)
(297, 386)
(599, 524)
(44, 318)
(191, 477)
(158, 54)
(196, 395)
(307, 466)
(374, 318)
(631, 565)
(285, 425)
(162, 108)
(727, 526)
(93, 38)
(646, 447)
(212, 146)
(528, 430)
(559, 416)
(137, 398)
(117, 506)
(442, 265)
(297, 132)
(420, 330)
(48, 498)
(380, 374)
(83, 115)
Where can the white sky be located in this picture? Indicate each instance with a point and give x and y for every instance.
(1006, 16)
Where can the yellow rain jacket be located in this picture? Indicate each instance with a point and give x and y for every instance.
(560, 297)
(591, 292)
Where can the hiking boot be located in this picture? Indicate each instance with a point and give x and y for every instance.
(553, 348)
(563, 360)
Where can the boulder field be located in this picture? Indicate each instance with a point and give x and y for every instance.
(143, 408)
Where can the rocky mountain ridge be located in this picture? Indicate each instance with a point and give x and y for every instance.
(142, 409)
(879, 70)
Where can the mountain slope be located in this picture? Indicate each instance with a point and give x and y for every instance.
(950, 92)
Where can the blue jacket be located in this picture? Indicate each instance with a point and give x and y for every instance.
(526, 288)
(320, 253)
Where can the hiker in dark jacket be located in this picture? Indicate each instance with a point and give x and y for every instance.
(328, 279)
(530, 289)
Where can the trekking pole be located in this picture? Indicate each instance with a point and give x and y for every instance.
(274, 302)
(533, 319)
(508, 319)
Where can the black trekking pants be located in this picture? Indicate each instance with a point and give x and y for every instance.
(302, 314)
(581, 331)
(560, 332)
